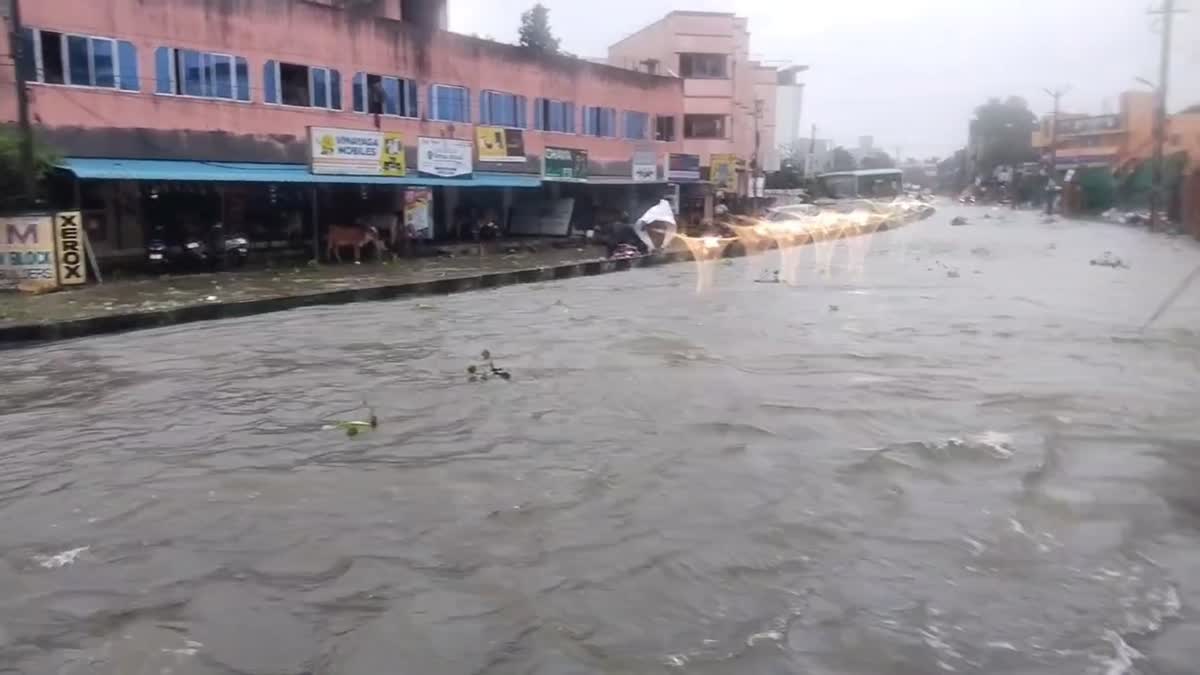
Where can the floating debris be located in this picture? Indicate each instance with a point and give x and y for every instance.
(834, 308)
(63, 559)
(953, 274)
(773, 279)
(487, 371)
(354, 427)
(1109, 260)
(959, 221)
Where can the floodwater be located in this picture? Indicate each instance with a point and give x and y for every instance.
(952, 452)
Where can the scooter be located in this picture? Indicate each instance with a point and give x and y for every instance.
(156, 251)
(227, 250)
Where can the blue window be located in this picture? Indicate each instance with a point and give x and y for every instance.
(502, 109)
(104, 72)
(636, 124)
(302, 86)
(51, 57)
(127, 66)
(383, 95)
(185, 72)
(601, 122)
(28, 62)
(551, 115)
(242, 78)
(449, 103)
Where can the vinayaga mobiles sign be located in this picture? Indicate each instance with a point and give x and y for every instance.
(356, 152)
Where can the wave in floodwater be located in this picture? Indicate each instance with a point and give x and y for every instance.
(745, 480)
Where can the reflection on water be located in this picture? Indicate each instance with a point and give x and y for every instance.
(991, 473)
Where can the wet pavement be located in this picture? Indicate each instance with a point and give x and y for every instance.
(943, 450)
(149, 294)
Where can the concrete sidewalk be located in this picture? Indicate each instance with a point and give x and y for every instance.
(130, 304)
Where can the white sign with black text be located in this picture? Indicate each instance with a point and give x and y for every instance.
(645, 165)
(444, 157)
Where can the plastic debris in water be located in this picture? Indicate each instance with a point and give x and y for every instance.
(354, 427)
(486, 371)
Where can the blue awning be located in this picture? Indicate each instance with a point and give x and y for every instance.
(256, 172)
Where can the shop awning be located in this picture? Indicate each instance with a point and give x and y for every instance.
(256, 172)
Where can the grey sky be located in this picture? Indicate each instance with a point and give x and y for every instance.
(908, 72)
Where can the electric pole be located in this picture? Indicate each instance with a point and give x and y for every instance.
(16, 39)
(1057, 95)
(1168, 13)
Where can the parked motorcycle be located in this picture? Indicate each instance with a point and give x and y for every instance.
(157, 253)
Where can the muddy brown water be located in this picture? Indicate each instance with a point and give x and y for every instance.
(887, 469)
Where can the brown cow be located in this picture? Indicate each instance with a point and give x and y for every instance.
(352, 235)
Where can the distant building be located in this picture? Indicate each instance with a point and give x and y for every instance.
(789, 106)
(727, 96)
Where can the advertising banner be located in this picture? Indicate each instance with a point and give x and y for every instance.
(68, 234)
(418, 217)
(645, 165)
(683, 167)
(27, 250)
(355, 152)
(565, 164)
(500, 144)
(723, 172)
(444, 157)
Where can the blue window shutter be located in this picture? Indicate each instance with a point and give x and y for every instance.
(522, 114)
(391, 100)
(242, 70)
(466, 105)
(127, 55)
(270, 85)
(28, 63)
(335, 89)
(431, 110)
(411, 109)
(539, 115)
(358, 92)
(163, 71)
(485, 116)
(570, 115)
(587, 121)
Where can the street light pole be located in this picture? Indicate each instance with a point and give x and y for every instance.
(1057, 95)
(1168, 12)
(24, 129)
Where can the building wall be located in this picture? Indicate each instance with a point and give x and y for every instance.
(715, 33)
(311, 33)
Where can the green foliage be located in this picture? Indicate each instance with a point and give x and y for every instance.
(11, 173)
(1003, 133)
(879, 160)
(535, 30)
(843, 160)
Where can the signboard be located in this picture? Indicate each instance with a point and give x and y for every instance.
(1088, 125)
(565, 164)
(355, 152)
(444, 157)
(68, 235)
(645, 165)
(683, 167)
(418, 204)
(723, 172)
(499, 144)
(27, 250)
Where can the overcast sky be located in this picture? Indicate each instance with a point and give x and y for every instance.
(908, 72)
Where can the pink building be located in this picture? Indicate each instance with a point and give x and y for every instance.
(171, 86)
(727, 96)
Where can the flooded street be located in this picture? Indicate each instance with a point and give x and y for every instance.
(953, 453)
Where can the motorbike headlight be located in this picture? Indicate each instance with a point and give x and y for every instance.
(237, 241)
(192, 245)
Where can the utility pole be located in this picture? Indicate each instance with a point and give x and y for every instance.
(16, 39)
(757, 163)
(1168, 13)
(810, 165)
(1057, 95)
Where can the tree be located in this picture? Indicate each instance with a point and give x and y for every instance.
(535, 30)
(12, 181)
(842, 159)
(1002, 134)
(877, 160)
